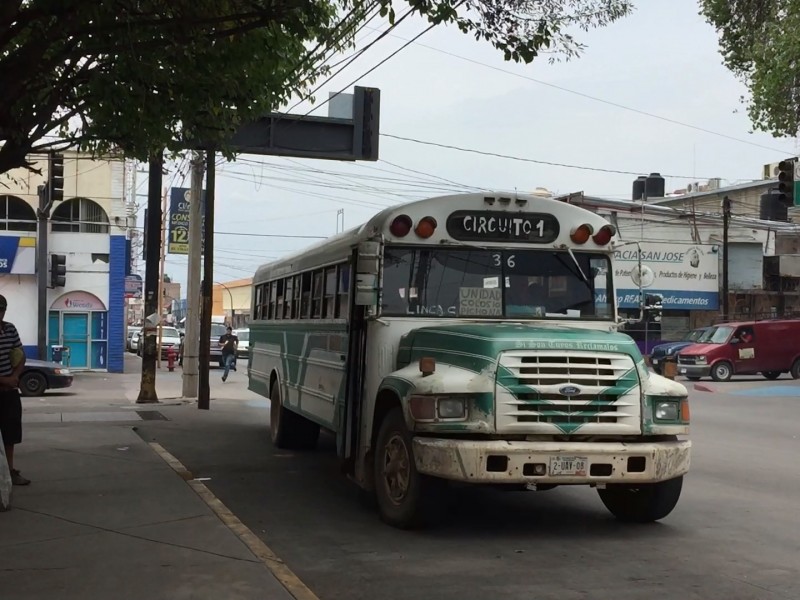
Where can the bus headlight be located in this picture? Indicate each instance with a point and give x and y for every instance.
(667, 411)
(452, 408)
(426, 408)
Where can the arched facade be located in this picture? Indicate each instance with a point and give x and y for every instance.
(16, 214)
(79, 215)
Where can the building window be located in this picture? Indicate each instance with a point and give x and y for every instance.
(80, 215)
(16, 214)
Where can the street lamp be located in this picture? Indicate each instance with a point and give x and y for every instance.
(233, 312)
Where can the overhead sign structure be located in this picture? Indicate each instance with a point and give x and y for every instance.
(178, 231)
(685, 276)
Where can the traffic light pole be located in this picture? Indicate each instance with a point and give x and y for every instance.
(41, 272)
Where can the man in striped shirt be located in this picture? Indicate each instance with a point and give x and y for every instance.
(12, 362)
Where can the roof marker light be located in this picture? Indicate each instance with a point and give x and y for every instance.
(401, 225)
(581, 234)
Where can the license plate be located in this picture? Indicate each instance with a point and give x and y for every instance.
(568, 465)
(682, 370)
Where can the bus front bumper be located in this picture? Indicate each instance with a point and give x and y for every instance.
(498, 461)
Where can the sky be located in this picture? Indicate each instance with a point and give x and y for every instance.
(648, 94)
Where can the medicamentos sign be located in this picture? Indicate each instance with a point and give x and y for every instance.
(685, 276)
(178, 233)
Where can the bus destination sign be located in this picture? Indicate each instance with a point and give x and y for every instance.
(497, 226)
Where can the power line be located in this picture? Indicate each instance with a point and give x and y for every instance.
(368, 71)
(528, 160)
(590, 97)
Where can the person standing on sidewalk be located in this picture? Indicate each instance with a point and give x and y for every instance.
(229, 343)
(12, 362)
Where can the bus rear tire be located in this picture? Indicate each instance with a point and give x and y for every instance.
(287, 429)
(405, 497)
(642, 503)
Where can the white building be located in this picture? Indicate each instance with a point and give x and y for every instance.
(89, 227)
(681, 239)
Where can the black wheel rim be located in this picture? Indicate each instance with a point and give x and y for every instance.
(396, 469)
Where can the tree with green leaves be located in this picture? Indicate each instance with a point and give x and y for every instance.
(760, 44)
(139, 76)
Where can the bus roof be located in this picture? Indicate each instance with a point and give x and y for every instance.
(510, 210)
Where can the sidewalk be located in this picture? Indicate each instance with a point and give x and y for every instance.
(107, 517)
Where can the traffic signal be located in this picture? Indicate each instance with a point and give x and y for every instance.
(786, 182)
(58, 270)
(55, 177)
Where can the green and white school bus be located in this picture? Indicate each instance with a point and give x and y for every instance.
(470, 338)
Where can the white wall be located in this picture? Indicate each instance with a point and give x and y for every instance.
(83, 273)
(20, 291)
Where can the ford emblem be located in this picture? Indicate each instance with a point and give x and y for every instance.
(569, 390)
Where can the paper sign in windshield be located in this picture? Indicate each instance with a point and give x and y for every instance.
(480, 302)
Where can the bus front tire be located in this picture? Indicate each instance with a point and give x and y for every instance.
(287, 429)
(642, 503)
(406, 498)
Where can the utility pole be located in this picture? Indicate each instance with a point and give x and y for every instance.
(147, 389)
(161, 262)
(190, 342)
(52, 191)
(41, 272)
(204, 392)
(726, 217)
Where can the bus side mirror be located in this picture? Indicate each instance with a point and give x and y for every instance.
(367, 271)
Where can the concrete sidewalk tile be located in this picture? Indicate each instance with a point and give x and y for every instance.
(20, 526)
(114, 501)
(111, 565)
(204, 532)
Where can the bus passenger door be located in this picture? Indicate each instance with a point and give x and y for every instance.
(363, 296)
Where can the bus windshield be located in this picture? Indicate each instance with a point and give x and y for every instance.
(465, 283)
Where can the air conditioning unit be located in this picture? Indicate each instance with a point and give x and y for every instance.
(770, 171)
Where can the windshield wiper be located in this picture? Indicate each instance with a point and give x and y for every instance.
(577, 264)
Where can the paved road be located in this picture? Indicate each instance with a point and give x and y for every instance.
(734, 535)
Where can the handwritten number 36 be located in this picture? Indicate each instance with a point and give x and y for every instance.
(510, 261)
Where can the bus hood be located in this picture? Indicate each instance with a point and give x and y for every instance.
(471, 344)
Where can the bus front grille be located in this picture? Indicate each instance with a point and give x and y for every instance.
(564, 392)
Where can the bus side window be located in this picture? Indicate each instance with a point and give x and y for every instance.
(257, 302)
(278, 291)
(343, 303)
(330, 293)
(316, 296)
(305, 303)
(273, 291)
(288, 298)
(298, 284)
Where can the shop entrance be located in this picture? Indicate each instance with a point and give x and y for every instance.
(78, 324)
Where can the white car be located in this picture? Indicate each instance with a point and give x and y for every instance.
(243, 350)
(133, 332)
(169, 338)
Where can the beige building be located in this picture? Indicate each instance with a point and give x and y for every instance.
(232, 300)
(90, 230)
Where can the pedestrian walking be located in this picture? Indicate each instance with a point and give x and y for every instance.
(229, 343)
(12, 362)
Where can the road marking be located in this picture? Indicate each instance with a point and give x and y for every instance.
(272, 561)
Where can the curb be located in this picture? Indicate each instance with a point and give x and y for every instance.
(286, 577)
